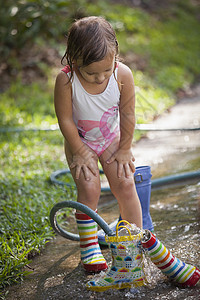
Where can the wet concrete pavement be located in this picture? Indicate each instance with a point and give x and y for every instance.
(158, 146)
(57, 271)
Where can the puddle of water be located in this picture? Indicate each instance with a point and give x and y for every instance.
(185, 161)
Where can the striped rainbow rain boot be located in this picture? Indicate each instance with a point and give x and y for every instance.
(126, 270)
(91, 256)
(182, 273)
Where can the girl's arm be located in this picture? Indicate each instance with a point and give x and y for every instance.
(82, 157)
(124, 155)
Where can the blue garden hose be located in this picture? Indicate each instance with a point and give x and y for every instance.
(85, 209)
(156, 184)
(175, 179)
(140, 127)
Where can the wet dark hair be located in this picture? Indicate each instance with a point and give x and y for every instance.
(90, 39)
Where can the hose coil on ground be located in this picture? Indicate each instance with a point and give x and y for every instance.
(155, 184)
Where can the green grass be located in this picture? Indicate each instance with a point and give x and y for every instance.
(27, 196)
(34, 105)
(167, 44)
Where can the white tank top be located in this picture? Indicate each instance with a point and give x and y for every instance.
(96, 116)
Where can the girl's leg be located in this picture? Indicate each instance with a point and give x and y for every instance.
(122, 188)
(88, 194)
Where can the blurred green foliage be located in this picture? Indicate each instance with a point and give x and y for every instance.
(167, 42)
(23, 21)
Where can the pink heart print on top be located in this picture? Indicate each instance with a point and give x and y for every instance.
(103, 131)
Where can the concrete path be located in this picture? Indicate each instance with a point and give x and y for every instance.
(157, 146)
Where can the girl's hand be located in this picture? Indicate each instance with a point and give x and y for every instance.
(85, 161)
(125, 161)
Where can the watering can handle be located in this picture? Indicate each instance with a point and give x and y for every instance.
(121, 225)
(83, 208)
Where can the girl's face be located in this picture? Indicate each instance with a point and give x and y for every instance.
(98, 72)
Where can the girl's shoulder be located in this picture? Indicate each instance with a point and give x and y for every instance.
(63, 72)
(124, 73)
(63, 80)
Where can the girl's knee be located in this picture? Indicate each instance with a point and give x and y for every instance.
(125, 187)
(90, 190)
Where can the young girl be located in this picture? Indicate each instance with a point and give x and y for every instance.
(95, 107)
